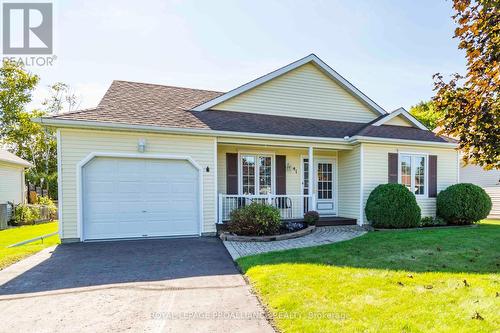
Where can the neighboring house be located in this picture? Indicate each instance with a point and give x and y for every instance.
(153, 160)
(12, 186)
(488, 180)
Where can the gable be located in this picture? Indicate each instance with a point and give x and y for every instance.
(304, 92)
(399, 121)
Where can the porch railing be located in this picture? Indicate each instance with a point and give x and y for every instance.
(291, 206)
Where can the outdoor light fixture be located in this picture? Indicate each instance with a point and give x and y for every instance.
(208, 169)
(141, 145)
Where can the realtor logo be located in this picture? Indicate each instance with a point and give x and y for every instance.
(27, 28)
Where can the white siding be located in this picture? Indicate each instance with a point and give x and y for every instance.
(305, 92)
(476, 175)
(78, 144)
(399, 121)
(349, 183)
(376, 170)
(11, 183)
(494, 193)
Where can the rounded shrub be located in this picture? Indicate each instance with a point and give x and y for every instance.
(463, 204)
(392, 206)
(255, 220)
(311, 217)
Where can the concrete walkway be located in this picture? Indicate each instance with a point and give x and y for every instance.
(321, 236)
(169, 285)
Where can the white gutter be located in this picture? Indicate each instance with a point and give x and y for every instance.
(209, 132)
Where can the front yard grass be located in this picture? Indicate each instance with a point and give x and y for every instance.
(10, 236)
(444, 280)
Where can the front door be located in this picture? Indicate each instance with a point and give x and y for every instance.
(324, 186)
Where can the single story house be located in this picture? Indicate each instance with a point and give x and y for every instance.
(12, 185)
(153, 160)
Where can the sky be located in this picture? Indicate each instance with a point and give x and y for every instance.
(389, 49)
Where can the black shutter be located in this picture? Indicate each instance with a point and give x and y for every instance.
(432, 176)
(393, 168)
(231, 173)
(280, 174)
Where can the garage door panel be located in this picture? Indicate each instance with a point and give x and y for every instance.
(135, 198)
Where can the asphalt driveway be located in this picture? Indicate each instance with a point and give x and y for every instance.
(169, 285)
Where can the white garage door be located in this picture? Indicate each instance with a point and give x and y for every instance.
(124, 198)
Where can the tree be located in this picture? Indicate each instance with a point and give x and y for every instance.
(470, 104)
(20, 134)
(427, 114)
(16, 87)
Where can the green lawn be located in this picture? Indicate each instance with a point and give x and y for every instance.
(9, 256)
(443, 280)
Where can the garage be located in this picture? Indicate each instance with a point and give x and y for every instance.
(138, 197)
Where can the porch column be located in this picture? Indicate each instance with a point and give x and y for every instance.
(310, 188)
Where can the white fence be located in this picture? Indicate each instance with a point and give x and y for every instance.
(291, 206)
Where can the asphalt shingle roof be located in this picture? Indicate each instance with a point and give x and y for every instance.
(165, 106)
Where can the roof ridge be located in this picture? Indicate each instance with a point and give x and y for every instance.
(167, 86)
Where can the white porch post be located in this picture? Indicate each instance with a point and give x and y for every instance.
(310, 188)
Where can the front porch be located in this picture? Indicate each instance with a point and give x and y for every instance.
(278, 174)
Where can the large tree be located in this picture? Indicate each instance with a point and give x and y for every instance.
(470, 103)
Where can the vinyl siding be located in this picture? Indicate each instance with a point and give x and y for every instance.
(78, 144)
(376, 167)
(11, 183)
(349, 183)
(488, 180)
(399, 121)
(304, 92)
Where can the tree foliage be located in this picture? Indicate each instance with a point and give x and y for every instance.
(470, 102)
(427, 114)
(22, 136)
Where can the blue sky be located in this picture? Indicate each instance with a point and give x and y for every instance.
(388, 49)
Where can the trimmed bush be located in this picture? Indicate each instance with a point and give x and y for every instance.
(311, 217)
(392, 206)
(255, 220)
(25, 214)
(463, 204)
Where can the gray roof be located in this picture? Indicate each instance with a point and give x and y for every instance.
(8, 157)
(165, 106)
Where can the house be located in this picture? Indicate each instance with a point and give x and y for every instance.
(153, 160)
(12, 185)
(489, 180)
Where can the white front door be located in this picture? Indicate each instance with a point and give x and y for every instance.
(325, 186)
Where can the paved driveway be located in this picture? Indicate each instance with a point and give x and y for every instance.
(171, 285)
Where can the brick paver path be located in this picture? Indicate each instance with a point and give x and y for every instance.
(320, 236)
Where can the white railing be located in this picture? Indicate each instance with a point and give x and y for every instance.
(291, 206)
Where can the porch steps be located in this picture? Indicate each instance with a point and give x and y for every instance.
(335, 220)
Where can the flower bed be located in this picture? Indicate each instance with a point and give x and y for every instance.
(226, 236)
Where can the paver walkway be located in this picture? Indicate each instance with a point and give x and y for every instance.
(320, 236)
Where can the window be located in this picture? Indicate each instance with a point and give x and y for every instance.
(256, 174)
(413, 172)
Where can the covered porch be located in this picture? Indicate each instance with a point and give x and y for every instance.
(279, 174)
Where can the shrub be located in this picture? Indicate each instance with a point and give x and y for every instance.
(51, 206)
(430, 221)
(392, 206)
(311, 217)
(463, 204)
(255, 220)
(26, 214)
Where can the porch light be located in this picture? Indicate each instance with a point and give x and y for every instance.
(141, 145)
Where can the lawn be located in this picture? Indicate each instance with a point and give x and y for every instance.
(9, 256)
(443, 280)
